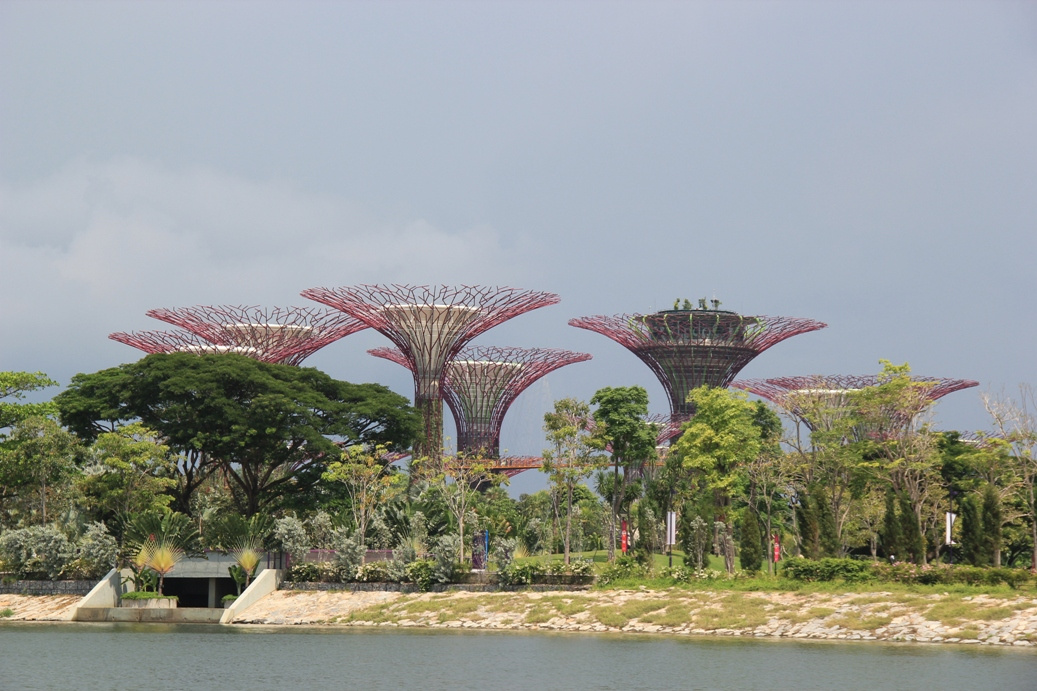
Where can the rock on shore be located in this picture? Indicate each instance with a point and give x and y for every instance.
(937, 618)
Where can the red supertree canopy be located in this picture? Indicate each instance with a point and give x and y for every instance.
(183, 342)
(691, 348)
(818, 399)
(482, 382)
(286, 335)
(430, 325)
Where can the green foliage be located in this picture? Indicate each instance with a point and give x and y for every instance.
(892, 539)
(624, 568)
(972, 539)
(374, 572)
(349, 556)
(445, 551)
(523, 573)
(914, 542)
(828, 569)
(146, 595)
(97, 553)
(6, 612)
(422, 572)
(991, 524)
(14, 386)
(290, 533)
(694, 538)
(267, 427)
(39, 552)
(751, 543)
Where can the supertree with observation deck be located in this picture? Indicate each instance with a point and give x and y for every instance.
(284, 335)
(687, 347)
(481, 383)
(430, 325)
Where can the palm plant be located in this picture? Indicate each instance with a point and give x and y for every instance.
(159, 540)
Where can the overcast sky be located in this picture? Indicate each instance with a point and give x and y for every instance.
(872, 165)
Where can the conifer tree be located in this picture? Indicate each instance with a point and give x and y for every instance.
(914, 542)
(892, 540)
(972, 532)
(991, 526)
(750, 552)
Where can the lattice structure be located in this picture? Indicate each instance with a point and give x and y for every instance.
(287, 335)
(181, 342)
(819, 400)
(482, 382)
(430, 325)
(689, 348)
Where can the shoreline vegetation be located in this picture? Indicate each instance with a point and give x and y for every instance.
(894, 615)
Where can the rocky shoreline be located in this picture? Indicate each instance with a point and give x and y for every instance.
(875, 616)
(940, 618)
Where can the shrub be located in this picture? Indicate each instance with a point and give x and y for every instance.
(349, 555)
(146, 595)
(312, 572)
(97, 553)
(445, 551)
(623, 568)
(291, 533)
(402, 557)
(421, 572)
(828, 569)
(521, 574)
(375, 572)
(40, 552)
(6, 612)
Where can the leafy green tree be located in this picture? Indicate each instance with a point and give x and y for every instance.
(127, 472)
(571, 458)
(369, 479)
(269, 428)
(716, 446)
(900, 449)
(37, 464)
(911, 530)
(14, 386)
(622, 429)
(750, 552)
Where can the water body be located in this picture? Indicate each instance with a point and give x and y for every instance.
(135, 656)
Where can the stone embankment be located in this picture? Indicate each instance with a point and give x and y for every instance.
(38, 607)
(939, 618)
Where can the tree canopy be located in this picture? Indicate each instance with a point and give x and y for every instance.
(268, 427)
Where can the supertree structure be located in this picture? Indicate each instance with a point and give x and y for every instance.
(181, 342)
(430, 325)
(482, 382)
(688, 348)
(818, 400)
(286, 335)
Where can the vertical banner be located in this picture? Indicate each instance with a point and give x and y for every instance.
(671, 528)
(947, 540)
(623, 538)
(777, 548)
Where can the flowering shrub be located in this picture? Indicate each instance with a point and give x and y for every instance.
(686, 574)
(624, 567)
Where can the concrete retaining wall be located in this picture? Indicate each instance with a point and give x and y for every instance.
(266, 582)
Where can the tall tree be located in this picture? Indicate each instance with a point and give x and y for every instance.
(992, 524)
(717, 445)
(268, 428)
(37, 463)
(1015, 426)
(900, 448)
(571, 458)
(621, 427)
(369, 480)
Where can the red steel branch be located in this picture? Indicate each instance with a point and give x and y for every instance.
(286, 335)
(690, 348)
